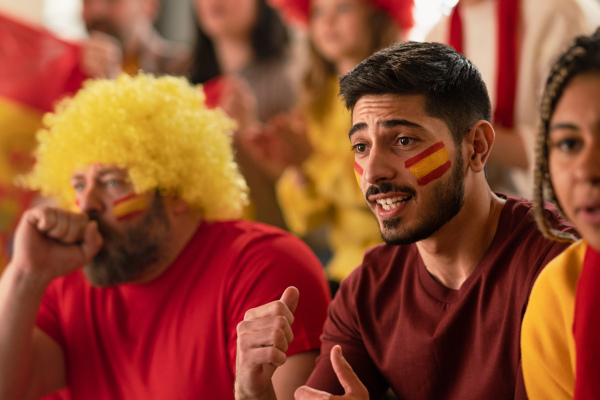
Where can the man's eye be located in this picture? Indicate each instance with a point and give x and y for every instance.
(78, 187)
(359, 148)
(404, 141)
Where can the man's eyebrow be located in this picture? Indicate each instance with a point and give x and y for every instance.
(392, 123)
(110, 171)
(355, 128)
(387, 124)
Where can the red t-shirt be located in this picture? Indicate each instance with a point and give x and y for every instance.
(175, 337)
(400, 328)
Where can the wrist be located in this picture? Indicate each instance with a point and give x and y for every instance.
(27, 279)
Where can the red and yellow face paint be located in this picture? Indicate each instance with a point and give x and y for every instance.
(358, 172)
(129, 206)
(430, 164)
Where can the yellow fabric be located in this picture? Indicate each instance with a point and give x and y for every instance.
(326, 190)
(547, 343)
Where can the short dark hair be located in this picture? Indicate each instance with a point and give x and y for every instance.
(452, 86)
(582, 57)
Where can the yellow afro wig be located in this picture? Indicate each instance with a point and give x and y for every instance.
(157, 128)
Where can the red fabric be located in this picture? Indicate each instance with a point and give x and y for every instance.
(400, 328)
(298, 11)
(213, 89)
(36, 68)
(506, 82)
(586, 328)
(175, 337)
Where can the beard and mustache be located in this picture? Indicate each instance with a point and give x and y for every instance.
(126, 255)
(448, 199)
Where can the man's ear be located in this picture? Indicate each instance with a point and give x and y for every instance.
(478, 144)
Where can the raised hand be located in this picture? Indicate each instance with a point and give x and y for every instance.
(263, 338)
(101, 56)
(51, 242)
(353, 387)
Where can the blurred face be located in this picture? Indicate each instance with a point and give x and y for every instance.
(340, 29)
(113, 17)
(227, 18)
(408, 167)
(132, 225)
(574, 155)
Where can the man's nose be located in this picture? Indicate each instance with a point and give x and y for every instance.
(90, 200)
(378, 167)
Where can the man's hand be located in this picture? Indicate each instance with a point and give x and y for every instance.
(50, 242)
(263, 338)
(101, 56)
(353, 387)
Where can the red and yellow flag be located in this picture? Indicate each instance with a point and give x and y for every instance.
(36, 70)
(430, 164)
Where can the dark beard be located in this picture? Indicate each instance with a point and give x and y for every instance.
(447, 200)
(125, 256)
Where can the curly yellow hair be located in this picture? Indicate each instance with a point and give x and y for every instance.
(157, 128)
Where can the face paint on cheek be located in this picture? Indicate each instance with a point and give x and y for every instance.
(429, 165)
(129, 206)
(358, 172)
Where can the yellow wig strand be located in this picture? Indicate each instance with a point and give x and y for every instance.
(157, 128)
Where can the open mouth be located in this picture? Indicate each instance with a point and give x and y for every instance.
(392, 202)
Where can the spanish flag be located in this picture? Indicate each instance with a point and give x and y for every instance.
(36, 70)
(430, 164)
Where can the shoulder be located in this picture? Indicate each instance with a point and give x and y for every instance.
(559, 278)
(382, 265)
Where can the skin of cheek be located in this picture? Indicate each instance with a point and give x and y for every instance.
(129, 206)
(430, 164)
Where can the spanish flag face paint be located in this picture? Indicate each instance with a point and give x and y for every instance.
(358, 172)
(129, 206)
(429, 165)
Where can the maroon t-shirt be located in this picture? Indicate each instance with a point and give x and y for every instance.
(400, 328)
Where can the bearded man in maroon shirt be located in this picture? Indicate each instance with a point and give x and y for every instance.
(435, 312)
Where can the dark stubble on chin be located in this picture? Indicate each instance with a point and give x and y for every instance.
(447, 200)
(125, 256)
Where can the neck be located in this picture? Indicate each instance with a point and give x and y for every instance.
(453, 252)
(234, 54)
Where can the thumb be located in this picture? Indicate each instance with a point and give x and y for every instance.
(345, 374)
(92, 240)
(290, 298)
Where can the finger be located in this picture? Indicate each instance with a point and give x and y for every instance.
(290, 298)
(271, 309)
(43, 218)
(306, 393)
(92, 241)
(345, 373)
(264, 325)
(76, 226)
(261, 356)
(264, 338)
(61, 226)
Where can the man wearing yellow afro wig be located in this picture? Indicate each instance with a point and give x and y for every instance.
(133, 288)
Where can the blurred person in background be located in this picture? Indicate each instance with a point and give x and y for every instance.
(134, 286)
(241, 57)
(513, 43)
(123, 39)
(309, 150)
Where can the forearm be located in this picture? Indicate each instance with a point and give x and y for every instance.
(20, 297)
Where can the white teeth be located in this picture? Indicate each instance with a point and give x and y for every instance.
(391, 202)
